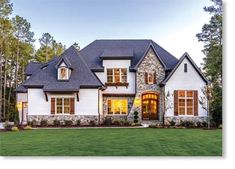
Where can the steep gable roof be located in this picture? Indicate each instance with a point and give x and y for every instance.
(157, 55)
(81, 76)
(94, 50)
(185, 55)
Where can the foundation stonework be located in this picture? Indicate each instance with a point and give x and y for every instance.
(179, 119)
(84, 120)
(150, 63)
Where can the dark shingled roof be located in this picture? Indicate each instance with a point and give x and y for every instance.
(81, 75)
(90, 58)
(94, 51)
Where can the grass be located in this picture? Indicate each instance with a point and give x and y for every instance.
(112, 142)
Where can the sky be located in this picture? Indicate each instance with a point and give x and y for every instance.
(173, 24)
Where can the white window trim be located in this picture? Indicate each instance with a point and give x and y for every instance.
(60, 97)
(111, 106)
(185, 106)
(113, 75)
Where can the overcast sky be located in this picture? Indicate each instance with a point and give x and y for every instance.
(173, 24)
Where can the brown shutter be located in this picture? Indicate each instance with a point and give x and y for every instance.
(52, 105)
(195, 102)
(146, 78)
(154, 78)
(71, 105)
(176, 102)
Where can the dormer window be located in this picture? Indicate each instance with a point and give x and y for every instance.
(63, 73)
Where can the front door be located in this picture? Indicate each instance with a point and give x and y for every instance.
(149, 106)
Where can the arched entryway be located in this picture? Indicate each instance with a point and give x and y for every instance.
(149, 106)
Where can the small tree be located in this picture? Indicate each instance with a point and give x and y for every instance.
(136, 117)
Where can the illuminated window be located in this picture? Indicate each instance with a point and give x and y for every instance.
(117, 75)
(185, 102)
(117, 107)
(62, 105)
(63, 73)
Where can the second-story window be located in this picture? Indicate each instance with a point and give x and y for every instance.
(117, 75)
(63, 73)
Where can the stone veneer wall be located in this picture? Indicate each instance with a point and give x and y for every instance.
(179, 119)
(84, 120)
(105, 107)
(149, 63)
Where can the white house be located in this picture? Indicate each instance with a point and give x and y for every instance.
(113, 78)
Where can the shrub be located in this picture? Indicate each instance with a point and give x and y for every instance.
(204, 124)
(136, 124)
(108, 121)
(152, 126)
(44, 123)
(78, 122)
(14, 128)
(28, 127)
(187, 123)
(115, 122)
(136, 117)
(172, 123)
(8, 125)
(92, 123)
(56, 122)
(68, 122)
(127, 123)
(220, 126)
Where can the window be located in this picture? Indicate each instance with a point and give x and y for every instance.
(117, 75)
(117, 107)
(63, 73)
(185, 102)
(185, 67)
(62, 105)
(150, 77)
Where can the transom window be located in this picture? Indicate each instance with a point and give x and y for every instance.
(62, 105)
(117, 107)
(63, 73)
(117, 75)
(185, 100)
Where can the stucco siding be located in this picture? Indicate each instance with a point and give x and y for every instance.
(117, 64)
(181, 80)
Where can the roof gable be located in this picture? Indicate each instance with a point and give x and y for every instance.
(92, 52)
(185, 56)
(145, 53)
(81, 76)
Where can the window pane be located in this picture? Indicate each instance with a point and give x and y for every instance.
(66, 105)
(117, 72)
(110, 79)
(110, 72)
(181, 111)
(124, 79)
(189, 102)
(109, 107)
(59, 105)
(189, 110)
(182, 102)
(150, 77)
(189, 93)
(182, 93)
(124, 71)
(63, 73)
(116, 79)
(119, 106)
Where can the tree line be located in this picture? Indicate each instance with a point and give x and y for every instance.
(16, 50)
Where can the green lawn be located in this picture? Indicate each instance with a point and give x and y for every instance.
(112, 142)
